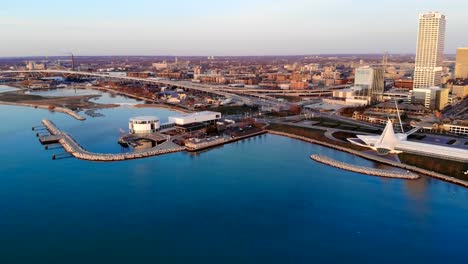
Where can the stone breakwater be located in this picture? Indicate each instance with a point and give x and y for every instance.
(364, 170)
(72, 147)
(376, 158)
(55, 109)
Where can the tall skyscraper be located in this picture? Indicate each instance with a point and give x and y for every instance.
(461, 65)
(369, 84)
(430, 50)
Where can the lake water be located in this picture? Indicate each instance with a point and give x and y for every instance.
(105, 97)
(260, 200)
(6, 88)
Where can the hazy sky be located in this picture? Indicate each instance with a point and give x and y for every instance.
(217, 27)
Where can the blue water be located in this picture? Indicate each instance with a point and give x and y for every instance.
(105, 97)
(6, 88)
(261, 200)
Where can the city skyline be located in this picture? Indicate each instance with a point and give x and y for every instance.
(184, 28)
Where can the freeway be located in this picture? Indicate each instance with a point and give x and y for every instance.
(257, 99)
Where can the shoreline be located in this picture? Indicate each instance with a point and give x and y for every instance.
(376, 159)
(156, 104)
(55, 109)
(79, 117)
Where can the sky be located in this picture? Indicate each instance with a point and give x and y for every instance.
(217, 27)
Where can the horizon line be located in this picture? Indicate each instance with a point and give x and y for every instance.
(172, 55)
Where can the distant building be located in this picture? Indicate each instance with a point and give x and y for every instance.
(460, 90)
(31, 66)
(433, 98)
(396, 95)
(160, 66)
(430, 50)
(456, 129)
(369, 84)
(299, 85)
(343, 93)
(461, 64)
(140, 74)
(404, 83)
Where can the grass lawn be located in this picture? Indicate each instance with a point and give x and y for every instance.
(312, 134)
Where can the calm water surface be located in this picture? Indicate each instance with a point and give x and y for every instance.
(6, 88)
(260, 200)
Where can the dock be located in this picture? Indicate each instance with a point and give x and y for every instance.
(217, 141)
(50, 139)
(365, 170)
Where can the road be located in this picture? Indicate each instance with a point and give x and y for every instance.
(228, 92)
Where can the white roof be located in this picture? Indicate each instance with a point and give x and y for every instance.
(387, 140)
(200, 114)
(391, 141)
(144, 118)
(433, 150)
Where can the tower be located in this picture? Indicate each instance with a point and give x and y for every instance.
(430, 50)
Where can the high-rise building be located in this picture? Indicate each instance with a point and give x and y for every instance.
(369, 84)
(434, 98)
(461, 65)
(430, 50)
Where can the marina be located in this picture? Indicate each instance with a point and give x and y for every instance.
(72, 147)
(143, 129)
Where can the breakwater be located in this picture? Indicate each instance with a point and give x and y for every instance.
(55, 109)
(364, 170)
(376, 158)
(72, 147)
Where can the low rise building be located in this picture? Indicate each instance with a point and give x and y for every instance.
(144, 125)
(456, 129)
(195, 121)
(433, 98)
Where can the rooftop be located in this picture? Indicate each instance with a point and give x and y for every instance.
(144, 118)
